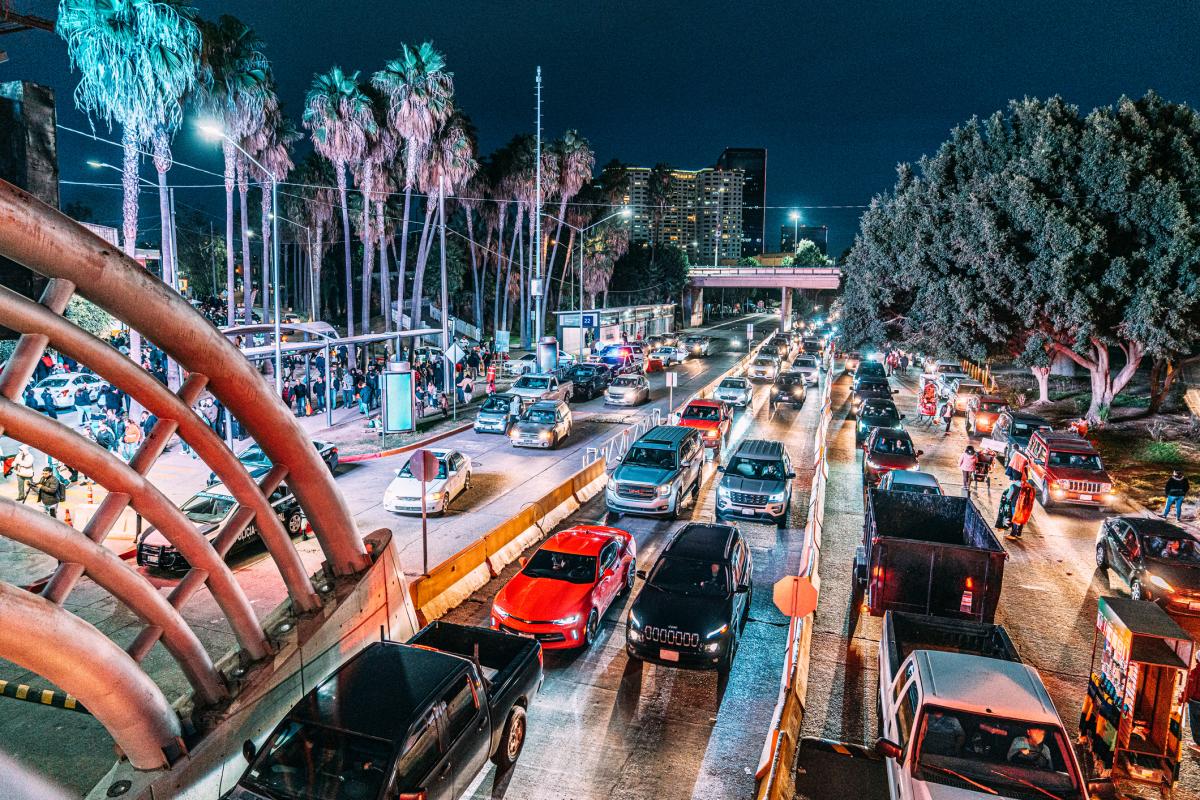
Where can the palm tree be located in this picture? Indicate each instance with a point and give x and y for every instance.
(658, 193)
(311, 202)
(235, 83)
(339, 114)
(371, 173)
(136, 60)
(270, 144)
(419, 92)
(575, 164)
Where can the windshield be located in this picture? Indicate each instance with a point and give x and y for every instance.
(53, 383)
(913, 488)
(1184, 551)
(991, 408)
(949, 369)
(308, 762)
(880, 414)
(732, 383)
(527, 382)
(253, 453)
(764, 362)
(701, 412)
(691, 577)
(657, 457)
(892, 447)
(208, 507)
(583, 372)
(407, 473)
(496, 403)
(755, 469)
(626, 381)
(789, 380)
(541, 416)
(804, 363)
(569, 567)
(1059, 458)
(1009, 757)
(1025, 429)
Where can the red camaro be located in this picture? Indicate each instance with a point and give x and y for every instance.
(887, 449)
(562, 592)
(711, 417)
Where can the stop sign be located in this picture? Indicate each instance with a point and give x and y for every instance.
(795, 596)
(423, 465)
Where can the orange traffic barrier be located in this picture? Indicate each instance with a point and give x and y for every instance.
(67, 518)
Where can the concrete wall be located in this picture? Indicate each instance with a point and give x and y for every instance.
(355, 613)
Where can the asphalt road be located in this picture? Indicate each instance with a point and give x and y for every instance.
(1048, 606)
(605, 726)
(75, 751)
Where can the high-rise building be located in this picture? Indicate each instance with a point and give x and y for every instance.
(817, 234)
(701, 212)
(752, 161)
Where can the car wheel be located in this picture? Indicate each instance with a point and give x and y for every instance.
(591, 629)
(295, 523)
(512, 740)
(727, 665)
(1044, 497)
(467, 483)
(781, 521)
(630, 574)
(1101, 556)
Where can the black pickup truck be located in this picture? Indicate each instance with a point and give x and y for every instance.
(414, 721)
(928, 554)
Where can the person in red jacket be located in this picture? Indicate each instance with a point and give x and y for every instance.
(1022, 508)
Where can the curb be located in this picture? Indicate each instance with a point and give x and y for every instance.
(841, 748)
(408, 447)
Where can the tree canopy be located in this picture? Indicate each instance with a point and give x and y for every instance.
(1040, 232)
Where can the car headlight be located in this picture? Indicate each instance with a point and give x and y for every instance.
(872, 464)
(433, 497)
(915, 468)
(718, 632)
(722, 491)
(546, 435)
(777, 497)
(862, 426)
(1161, 583)
(797, 392)
(664, 490)
(713, 647)
(569, 620)
(634, 634)
(500, 612)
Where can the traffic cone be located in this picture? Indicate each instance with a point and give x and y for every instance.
(91, 498)
(67, 518)
(308, 531)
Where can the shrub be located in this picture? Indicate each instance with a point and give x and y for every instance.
(1159, 452)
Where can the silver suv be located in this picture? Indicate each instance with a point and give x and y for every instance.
(657, 473)
(544, 424)
(757, 482)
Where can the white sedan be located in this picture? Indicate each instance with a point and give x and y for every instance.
(403, 494)
(516, 367)
(66, 385)
(669, 354)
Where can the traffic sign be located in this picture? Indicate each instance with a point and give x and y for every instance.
(455, 353)
(672, 378)
(502, 341)
(423, 465)
(795, 596)
(749, 330)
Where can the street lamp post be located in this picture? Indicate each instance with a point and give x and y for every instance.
(795, 217)
(214, 132)
(312, 289)
(625, 212)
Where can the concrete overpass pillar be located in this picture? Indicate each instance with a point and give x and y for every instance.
(785, 310)
(693, 306)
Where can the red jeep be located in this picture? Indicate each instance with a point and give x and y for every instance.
(1066, 469)
(711, 417)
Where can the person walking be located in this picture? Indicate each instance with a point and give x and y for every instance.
(967, 463)
(300, 398)
(347, 388)
(131, 437)
(50, 491)
(1176, 489)
(1004, 511)
(946, 413)
(1022, 509)
(23, 469)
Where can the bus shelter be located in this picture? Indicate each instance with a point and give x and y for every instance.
(602, 326)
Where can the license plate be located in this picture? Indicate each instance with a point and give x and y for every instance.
(668, 655)
(1085, 497)
(150, 558)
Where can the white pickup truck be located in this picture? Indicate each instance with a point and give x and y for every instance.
(543, 386)
(962, 717)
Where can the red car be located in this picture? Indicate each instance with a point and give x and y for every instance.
(562, 592)
(711, 417)
(887, 449)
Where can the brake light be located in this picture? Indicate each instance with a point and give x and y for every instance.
(413, 795)
(970, 583)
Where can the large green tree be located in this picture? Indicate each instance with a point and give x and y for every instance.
(1041, 233)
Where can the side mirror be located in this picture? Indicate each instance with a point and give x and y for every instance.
(641, 573)
(895, 391)
(743, 588)
(920, 452)
(249, 750)
(791, 475)
(522, 561)
(720, 468)
(903, 416)
(886, 748)
(608, 573)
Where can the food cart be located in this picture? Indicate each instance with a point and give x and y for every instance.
(1132, 720)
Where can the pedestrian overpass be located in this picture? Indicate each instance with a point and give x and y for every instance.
(755, 277)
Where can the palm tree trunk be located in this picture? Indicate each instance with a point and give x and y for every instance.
(368, 262)
(562, 214)
(566, 268)
(340, 169)
(423, 248)
(400, 276)
(513, 254)
(477, 304)
(247, 266)
(500, 218)
(318, 256)
(167, 247)
(265, 205)
(385, 278)
(522, 286)
(230, 276)
(447, 371)
(129, 220)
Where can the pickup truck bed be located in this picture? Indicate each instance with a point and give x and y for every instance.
(903, 633)
(503, 659)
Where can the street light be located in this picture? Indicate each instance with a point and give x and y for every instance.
(626, 212)
(795, 218)
(214, 132)
(105, 165)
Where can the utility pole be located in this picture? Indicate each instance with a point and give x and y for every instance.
(538, 289)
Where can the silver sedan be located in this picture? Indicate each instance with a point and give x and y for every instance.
(627, 390)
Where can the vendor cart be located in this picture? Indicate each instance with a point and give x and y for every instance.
(1132, 720)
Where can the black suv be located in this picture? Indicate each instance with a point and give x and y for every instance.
(590, 380)
(876, 413)
(695, 602)
(1157, 560)
(788, 389)
(870, 388)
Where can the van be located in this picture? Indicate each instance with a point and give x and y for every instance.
(658, 473)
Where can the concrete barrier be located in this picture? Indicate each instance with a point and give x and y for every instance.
(458, 577)
(776, 767)
(355, 611)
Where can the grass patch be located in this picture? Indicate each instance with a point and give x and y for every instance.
(1056, 396)
(1131, 401)
(1162, 453)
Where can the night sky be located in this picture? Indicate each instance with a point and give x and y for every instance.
(838, 92)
